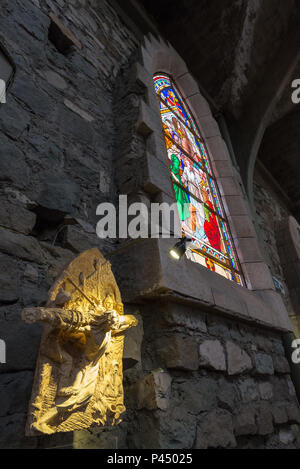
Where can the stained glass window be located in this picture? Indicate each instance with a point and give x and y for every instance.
(195, 189)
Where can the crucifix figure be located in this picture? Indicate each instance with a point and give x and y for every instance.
(78, 380)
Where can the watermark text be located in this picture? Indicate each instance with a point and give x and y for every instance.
(296, 92)
(138, 220)
(2, 91)
(2, 351)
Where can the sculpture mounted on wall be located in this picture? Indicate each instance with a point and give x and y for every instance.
(78, 379)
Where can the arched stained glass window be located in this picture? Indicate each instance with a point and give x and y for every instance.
(195, 189)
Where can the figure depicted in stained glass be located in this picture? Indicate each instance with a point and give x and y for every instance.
(180, 195)
(185, 142)
(195, 189)
(211, 228)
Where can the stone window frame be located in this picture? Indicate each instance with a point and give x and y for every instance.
(145, 270)
(185, 104)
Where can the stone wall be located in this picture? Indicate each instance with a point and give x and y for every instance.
(271, 209)
(56, 165)
(203, 382)
(192, 378)
(226, 384)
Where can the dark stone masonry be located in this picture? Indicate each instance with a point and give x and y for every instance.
(207, 366)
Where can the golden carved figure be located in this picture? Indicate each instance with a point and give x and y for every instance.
(78, 380)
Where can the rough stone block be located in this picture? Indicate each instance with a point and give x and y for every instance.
(33, 19)
(217, 328)
(211, 355)
(15, 119)
(56, 259)
(280, 388)
(286, 437)
(198, 395)
(15, 390)
(22, 342)
(55, 80)
(153, 391)
(238, 361)
(266, 391)
(19, 245)
(293, 413)
(30, 94)
(227, 396)
(177, 429)
(12, 165)
(16, 217)
(281, 365)
(12, 433)
(264, 344)
(291, 387)
(279, 415)
(244, 422)
(129, 174)
(9, 280)
(178, 352)
(78, 111)
(216, 431)
(74, 127)
(248, 390)
(59, 194)
(174, 428)
(264, 419)
(263, 364)
(79, 241)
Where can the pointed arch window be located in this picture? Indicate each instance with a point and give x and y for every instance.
(195, 189)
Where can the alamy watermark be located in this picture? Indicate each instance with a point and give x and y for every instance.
(2, 351)
(2, 91)
(296, 92)
(138, 220)
(296, 352)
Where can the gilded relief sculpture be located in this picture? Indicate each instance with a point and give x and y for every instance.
(78, 380)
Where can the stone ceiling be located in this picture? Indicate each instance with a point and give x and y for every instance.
(228, 45)
(280, 154)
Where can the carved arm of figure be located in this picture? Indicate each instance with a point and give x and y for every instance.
(119, 323)
(66, 319)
